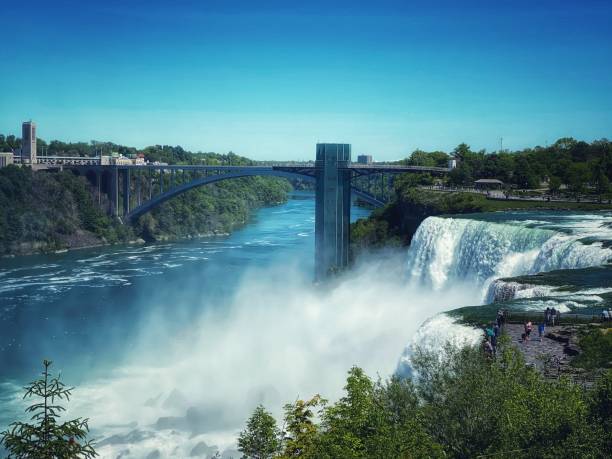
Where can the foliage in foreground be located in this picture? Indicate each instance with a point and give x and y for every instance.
(459, 405)
(596, 347)
(46, 438)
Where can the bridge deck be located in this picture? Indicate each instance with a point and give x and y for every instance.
(361, 169)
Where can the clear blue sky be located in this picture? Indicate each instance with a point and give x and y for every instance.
(270, 79)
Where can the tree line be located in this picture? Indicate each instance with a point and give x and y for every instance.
(567, 163)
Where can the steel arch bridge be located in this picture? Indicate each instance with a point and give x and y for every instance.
(233, 174)
(141, 188)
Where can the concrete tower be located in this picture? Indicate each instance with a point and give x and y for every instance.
(28, 142)
(333, 207)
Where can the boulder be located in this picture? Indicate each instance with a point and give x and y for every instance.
(571, 349)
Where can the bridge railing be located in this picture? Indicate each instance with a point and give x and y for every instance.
(68, 160)
(398, 168)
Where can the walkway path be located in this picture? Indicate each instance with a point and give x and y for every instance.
(537, 350)
(552, 354)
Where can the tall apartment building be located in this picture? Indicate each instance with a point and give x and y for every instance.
(364, 159)
(28, 142)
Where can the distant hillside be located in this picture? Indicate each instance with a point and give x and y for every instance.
(42, 211)
(47, 211)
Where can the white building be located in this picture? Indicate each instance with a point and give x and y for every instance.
(121, 161)
(6, 159)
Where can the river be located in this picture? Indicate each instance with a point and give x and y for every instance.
(170, 346)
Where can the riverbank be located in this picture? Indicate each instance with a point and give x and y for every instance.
(49, 212)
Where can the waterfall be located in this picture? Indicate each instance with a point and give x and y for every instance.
(501, 290)
(450, 250)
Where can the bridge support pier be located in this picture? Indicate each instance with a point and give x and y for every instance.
(113, 194)
(126, 191)
(99, 186)
(332, 208)
(138, 188)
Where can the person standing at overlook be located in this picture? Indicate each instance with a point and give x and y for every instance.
(541, 330)
(553, 316)
(528, 327)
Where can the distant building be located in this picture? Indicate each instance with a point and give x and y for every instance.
(489, 184)
(452, 163)
(121, 161)
(6, 159)
(364, 159)
(138, 161)
(28, 142)
(105, 160)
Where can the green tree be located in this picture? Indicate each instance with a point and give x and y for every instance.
(578, 177)
(396, 427)
(261, 437)
(301, 432)
(462, 175)
(600, 409)
(554, 184)
(379, 420)
(46, 438)
(421, 158)
(461, 151)
(602, 183)
(525, 177)
(345, 423)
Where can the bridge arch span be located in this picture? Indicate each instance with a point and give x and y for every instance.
(163, 197)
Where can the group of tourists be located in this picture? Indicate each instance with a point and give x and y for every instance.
(606, 315)
(492, 333)
(551, 316)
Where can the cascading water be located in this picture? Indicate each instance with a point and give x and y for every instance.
(450, 250)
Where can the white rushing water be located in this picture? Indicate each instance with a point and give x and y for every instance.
(450, 250)
(277, 338)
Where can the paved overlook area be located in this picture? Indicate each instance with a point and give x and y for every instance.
(552, 353)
